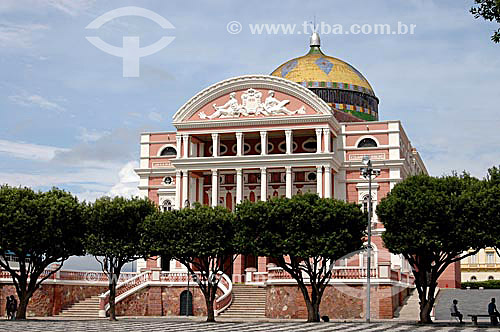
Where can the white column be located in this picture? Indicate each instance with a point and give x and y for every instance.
(263, 143)
(263, 184)
(288, 181)
(319, 131)
(319, 180)
(178, 189)
(185, 187)
(215, 145)
(328, 182)
(201, 189)
(326, 137)
(239, 185)
(186, 145)
(289, 139)
(178, 140)
(215, 187)
(239, 144)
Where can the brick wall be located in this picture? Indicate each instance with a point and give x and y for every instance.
(160, 301)
(49, 300)
(339, 302)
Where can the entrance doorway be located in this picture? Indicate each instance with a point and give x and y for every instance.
(186, 303)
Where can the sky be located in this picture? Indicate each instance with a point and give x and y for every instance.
(68, 117)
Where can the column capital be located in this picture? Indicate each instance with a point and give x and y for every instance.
(288, 132)
(214, 171)
(177, 172)
(185, 135)
(239, 134)
(263, 169)
(239, 171)
(288, 169)
(319, 169)
(263, 133)
(319, 131)
(327, 168)
(215, 135)
(326, 130)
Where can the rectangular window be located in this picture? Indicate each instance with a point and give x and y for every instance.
(473, 259)
(490, 258)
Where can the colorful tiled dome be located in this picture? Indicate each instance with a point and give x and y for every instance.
(321, 72)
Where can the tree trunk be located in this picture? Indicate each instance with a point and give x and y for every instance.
(425, 311)
(312, 312)
(210, 309)
(112, 296)
(22, 306)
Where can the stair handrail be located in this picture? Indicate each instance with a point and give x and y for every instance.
(122, 289)
(225, 300)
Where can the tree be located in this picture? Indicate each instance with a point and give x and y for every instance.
(40, 229)
(115, 236)
(305, 235)
(200, 238)
(432, 222)
(490, 11)
(489, 197)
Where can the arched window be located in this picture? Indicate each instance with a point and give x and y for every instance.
(491, 278)
(473, 278)
(167, 205)
(365, 204)
(367, 143)
(168, 151)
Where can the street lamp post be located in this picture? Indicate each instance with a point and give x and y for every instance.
(367, 172)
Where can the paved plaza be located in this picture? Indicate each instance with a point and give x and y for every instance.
(159, 324)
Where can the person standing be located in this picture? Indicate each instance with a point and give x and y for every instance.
(13, 307)
(493, 312)
(7, 307)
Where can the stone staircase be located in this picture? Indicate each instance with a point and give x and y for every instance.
(88, 308)
(410, 310)
(248, 302)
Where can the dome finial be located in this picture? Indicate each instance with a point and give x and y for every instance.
(314, 41)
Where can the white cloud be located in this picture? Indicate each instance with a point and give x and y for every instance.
(71, 7)
(29, 151)
(91, 135)
(129, 180)
(155, 116)
(36, 100)
(19, 35)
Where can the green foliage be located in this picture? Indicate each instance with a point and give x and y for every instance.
(490, 11)
(44, 226)
(428, 216)
(488, 284)
(201, 231)
(303, 226)
(115, 227)
(40, 228)
(489, 198)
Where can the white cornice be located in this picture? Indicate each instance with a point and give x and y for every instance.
(251, 161)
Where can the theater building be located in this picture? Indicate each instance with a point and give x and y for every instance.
(304, 128)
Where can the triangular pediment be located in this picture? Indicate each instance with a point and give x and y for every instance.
(247, 98)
